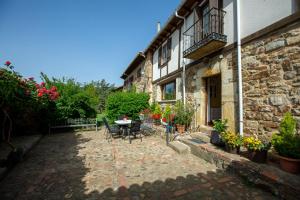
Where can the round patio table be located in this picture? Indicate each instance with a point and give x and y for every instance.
(124, 125)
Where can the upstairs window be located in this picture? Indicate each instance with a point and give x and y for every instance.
(164, 53)
(169, 91)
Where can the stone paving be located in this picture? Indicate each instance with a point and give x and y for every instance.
(84, 165)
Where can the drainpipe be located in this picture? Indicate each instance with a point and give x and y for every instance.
(183, 60)
(239, 63)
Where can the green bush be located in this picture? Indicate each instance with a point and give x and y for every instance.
(286, 142)
(126, 103)
(183, 114)
(220, 125)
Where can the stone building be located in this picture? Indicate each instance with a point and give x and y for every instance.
(196, 58)
(139, 74)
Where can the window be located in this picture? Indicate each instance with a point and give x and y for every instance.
(164, 52)
(169, 91)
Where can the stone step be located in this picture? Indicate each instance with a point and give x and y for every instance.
(201, 136)
(206, 129)
(179, 147)
(265, 176)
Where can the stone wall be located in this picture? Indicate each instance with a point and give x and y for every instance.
(271, 80)
(196, 93)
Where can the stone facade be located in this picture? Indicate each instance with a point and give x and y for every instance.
(143, 83)
(196, 93)
(271, 80)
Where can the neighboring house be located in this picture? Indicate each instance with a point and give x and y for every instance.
(139, 74)
(197, 59)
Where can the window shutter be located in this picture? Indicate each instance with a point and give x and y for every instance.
(169, 48)
(159, 56)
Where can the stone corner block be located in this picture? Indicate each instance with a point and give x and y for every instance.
(179, 147)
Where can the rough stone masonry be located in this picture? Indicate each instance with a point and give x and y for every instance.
(271, 80)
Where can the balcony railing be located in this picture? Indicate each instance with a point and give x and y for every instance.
(206, 35)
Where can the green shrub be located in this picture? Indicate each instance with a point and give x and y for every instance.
(183, 114)
(220, 125)
(286, 142)
(126, 103)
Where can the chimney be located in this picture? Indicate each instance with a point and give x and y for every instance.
(158, 26)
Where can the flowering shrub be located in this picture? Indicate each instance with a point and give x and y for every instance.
(28, 106)
(231, 139)
(255, 144)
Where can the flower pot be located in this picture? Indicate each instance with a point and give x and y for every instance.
(258, 156)
(215, 139)
(233, 150)
(180, 128)
(289, 164)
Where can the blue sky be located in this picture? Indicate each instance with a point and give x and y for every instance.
(83, 39)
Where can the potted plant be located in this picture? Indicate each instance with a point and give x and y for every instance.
(183, 116)
(168, 118)
(219, 126)
(232, 142)
(287, 145)
(157, 114)
(257, 149)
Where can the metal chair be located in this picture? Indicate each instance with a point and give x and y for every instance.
(134, 129)
(111, 131)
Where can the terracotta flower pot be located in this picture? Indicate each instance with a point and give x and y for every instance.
(289, 164)
(180, 128)
(258, 156)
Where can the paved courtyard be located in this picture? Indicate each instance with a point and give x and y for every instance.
(84, 165)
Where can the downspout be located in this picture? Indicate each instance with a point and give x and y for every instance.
(239, 63)
(183, 60)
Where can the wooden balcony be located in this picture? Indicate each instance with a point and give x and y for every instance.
(205, 36)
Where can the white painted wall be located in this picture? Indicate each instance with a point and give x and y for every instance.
(255, 15)
(156, 70)
(163, 71)
(189, 22)
(173, 63)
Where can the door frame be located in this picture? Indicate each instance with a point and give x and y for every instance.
(207, 98)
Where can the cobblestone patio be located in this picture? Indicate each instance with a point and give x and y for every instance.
(84, 165)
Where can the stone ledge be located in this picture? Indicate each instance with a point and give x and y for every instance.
(179, 147)
(25, 142)
(267, 177)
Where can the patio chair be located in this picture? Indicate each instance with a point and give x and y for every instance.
(134, 129)
(147, 126)
(112, 130)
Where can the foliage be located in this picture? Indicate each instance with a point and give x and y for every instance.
(152, 106)
(29, 105)
(156, 114)
(183, 114)
(255, 144)
(286, 142)
(220, 125)
(168, 115)
(231, 139)
(79, 100)
(32, 106)
(126, 103)
(157, 110)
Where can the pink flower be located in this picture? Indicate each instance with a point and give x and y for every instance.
(7, 63)
(53, 88)
(43, 84)
(40, 94)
